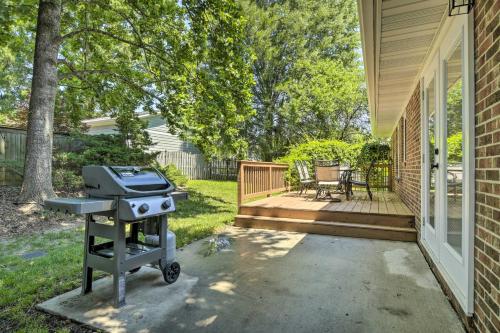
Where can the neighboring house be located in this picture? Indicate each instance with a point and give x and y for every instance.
(433, 87)
(162, 139)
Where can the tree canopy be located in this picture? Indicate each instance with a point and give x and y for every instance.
(183, 59)
(232, 76)
(305, 50)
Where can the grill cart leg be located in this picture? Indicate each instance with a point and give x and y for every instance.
(119, 248)
(163, 241)
(172, 270)
(87, 271)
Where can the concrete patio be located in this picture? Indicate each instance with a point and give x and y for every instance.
(275, 281)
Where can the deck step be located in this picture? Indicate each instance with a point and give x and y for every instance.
(359, 230)
(390, 220)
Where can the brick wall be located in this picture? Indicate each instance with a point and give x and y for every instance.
(487, 112)
(487, 126)
(407, 185)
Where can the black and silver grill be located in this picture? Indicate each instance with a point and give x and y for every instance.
(140, 197)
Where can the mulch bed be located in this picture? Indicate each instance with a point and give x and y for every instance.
(18, 220)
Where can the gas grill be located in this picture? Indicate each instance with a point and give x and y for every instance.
(136, 200)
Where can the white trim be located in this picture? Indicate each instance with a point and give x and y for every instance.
(431, 74)
(456, 269)
(366, 22)
(104, 121)
(469, 158)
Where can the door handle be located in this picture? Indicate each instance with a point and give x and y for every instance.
(434, 166)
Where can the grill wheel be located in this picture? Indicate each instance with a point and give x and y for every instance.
(171, 272)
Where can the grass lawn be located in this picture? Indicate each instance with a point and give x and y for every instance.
(24, 283)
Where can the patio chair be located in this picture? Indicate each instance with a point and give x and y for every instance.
(328, 176)
(354, 182)
(306, 182)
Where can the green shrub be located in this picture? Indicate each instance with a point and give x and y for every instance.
(173, 174)
(345, 153)
(378, 151)
(455, 148)
(66, 181)
(358, 155)
(100, 150)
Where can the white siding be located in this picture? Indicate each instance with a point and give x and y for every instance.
(106, 129)
(162, 139)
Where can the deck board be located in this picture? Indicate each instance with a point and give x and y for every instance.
(384, 203)
(385, 217)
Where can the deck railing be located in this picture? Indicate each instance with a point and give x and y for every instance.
(260, 179)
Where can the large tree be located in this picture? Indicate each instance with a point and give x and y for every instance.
(324, 100)
(283, 33)
(183, 59)
(37, 184)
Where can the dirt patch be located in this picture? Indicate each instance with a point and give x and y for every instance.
(29, 219)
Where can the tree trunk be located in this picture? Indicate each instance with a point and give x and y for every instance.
(37, 184)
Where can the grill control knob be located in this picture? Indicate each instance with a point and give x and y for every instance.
(165, 204)
(143, 208)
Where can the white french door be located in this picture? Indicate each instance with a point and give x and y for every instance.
(431, 136)
(448, 158)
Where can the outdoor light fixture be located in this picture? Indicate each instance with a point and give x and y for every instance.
(459, 7)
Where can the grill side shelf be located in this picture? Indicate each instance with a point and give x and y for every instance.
(179, 195)
(79, 205)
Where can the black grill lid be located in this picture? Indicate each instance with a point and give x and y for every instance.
(127, 181)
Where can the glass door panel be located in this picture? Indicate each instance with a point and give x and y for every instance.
(431, 111)
(454, 149)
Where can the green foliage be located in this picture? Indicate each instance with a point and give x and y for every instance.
(131, 129)
(325, 100)
(455, 148)
(298, 45)
(454, 108)
(66, 181)
(183, 59)
(379, 151)
(216, 90)
(101, 150)
(173, 174)
(357, 155)
(17, 26)
(311, 151)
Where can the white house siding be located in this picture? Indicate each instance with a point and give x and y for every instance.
(162, 139)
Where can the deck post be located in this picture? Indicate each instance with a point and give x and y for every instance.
(241, 185)
(270, 181)
(389, 174)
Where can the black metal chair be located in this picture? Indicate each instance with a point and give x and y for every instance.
(366, 183)
(306, 182)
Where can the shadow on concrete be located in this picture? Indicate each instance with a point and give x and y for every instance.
(269, 281)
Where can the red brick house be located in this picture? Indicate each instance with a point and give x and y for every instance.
(433, 88)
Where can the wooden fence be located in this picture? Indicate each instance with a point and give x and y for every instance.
(259, 179)
(13, 144)
(195, 166)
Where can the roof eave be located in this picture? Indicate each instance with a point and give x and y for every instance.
(368, 29)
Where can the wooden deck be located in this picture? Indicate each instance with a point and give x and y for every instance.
(386, 217)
